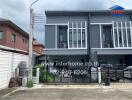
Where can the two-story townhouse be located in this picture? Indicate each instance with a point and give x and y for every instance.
(76, 35)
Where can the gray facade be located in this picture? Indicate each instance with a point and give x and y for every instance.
(101, 29)
(95, 37)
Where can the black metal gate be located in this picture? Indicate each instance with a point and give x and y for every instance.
(76, 75)
(117, 73)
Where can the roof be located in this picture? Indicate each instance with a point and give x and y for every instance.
(12, 49)
(35, 43)
(116, 7)
(80, 12)
(13, 25)
(1, 19)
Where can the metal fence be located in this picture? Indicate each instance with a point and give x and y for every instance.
(116, 74)
(89, 75)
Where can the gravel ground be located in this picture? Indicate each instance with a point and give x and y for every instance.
(71, 94)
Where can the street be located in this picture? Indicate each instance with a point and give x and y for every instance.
(71, 94)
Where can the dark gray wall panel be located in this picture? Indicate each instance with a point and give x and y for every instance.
(66, 52)
(112, 51)
(108, 19)
(64, 19)
(50, 36)
(95, 36)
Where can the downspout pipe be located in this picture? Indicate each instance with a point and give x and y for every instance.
(88, 56)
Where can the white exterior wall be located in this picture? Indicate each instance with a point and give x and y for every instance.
(9, 61)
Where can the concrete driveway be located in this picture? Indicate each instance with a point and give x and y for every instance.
(71, 94)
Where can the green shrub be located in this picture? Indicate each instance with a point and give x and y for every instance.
(43, 72)
(50, 78)
(34, 71)
(42, 76)
(30, 84)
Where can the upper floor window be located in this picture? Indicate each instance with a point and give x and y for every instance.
(1, 35)
(122, 33)
(13, 38)
(77, 34)
(62, 36)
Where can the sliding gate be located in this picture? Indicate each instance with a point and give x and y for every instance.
(76, 75)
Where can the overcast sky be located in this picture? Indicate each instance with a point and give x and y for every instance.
(18, 10)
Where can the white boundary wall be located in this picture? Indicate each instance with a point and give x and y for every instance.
(9, 61)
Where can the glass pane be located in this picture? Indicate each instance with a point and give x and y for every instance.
(70, 24)
(79, 38)
(79, 24)
(129, 38)
(123, 25)
(1, 35)
(83, 38)
(124, 36)
(70, 38)
(115, 24)
(83, 24)
(75, 38)
(83, 34)
(119, 25)
(74, 24)
(13, 38)
(120, 38)
(77, 35)
(128, 24)
(116, 38)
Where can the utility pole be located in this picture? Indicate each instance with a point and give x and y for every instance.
(31, 41)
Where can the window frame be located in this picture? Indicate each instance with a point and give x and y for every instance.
(124, 33)
(1, 35)
(81, 26)
(13, 37)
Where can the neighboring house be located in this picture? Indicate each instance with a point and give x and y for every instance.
(38, 50)
(13, 36)
(38, 47)
(75, 35)
(13, 50)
